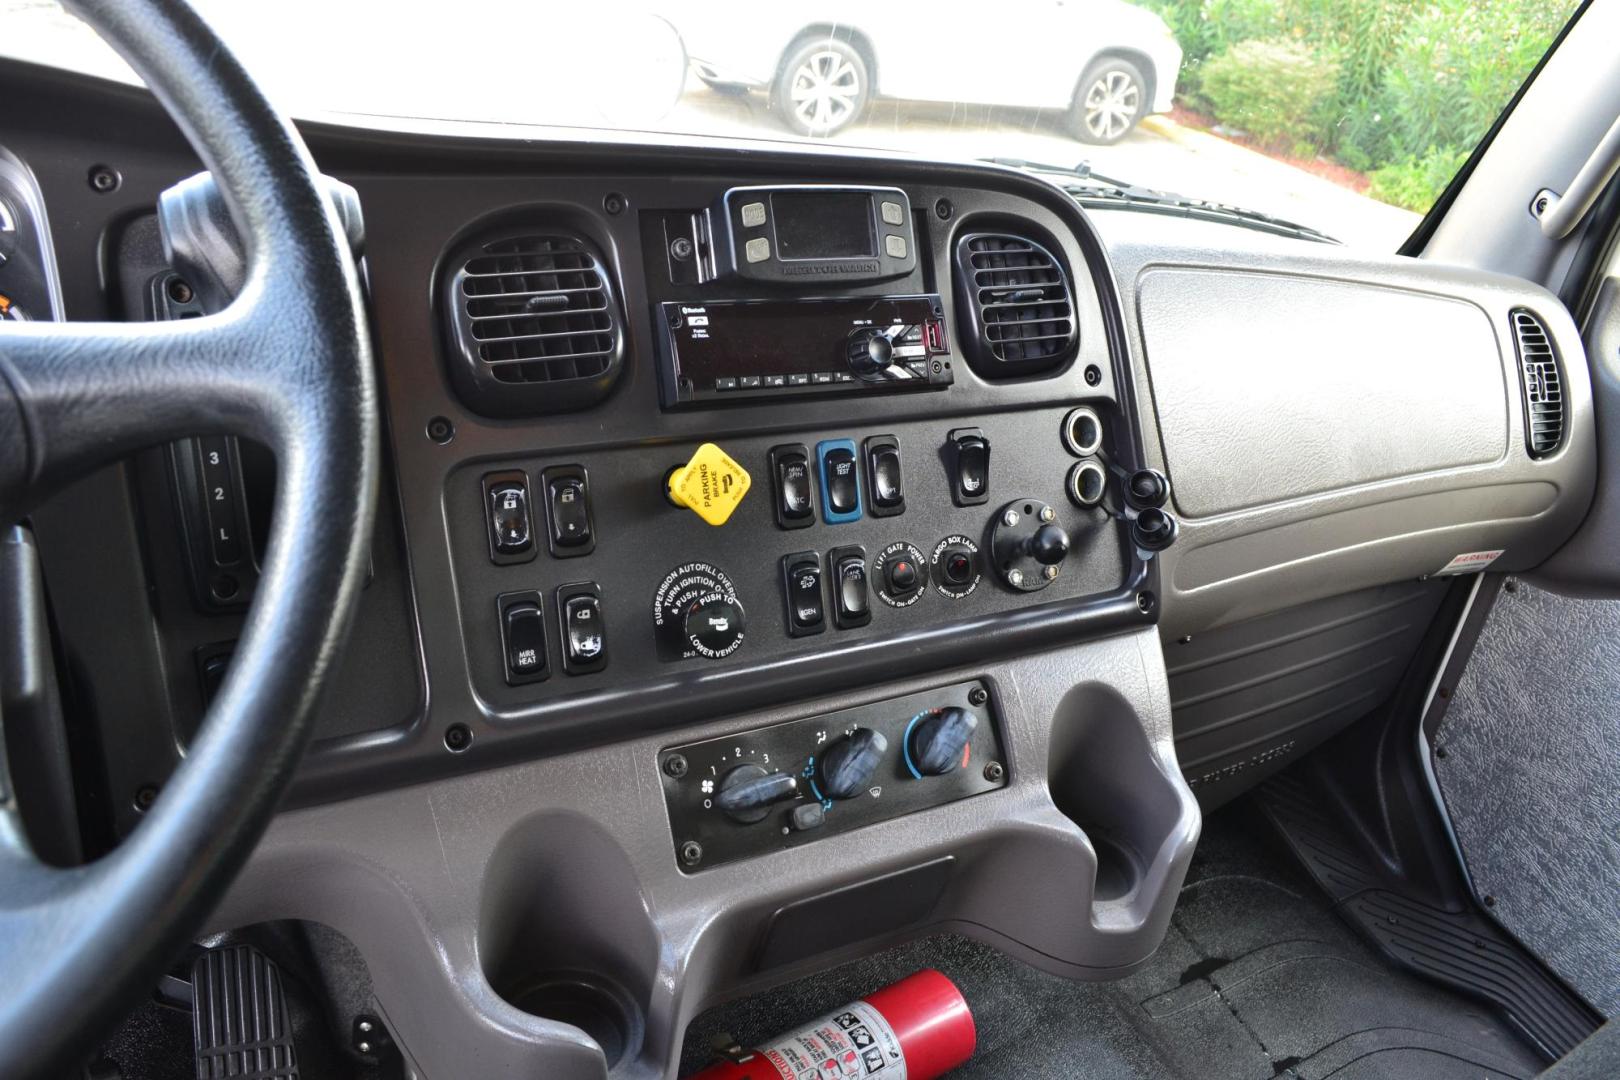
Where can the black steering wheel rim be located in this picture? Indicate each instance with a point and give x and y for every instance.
(288, 364)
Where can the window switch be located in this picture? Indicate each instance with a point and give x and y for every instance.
(523, 637)
(584, 634)
(801, 589)
(506, 511)
(840, 481)
(570, 529)
(885, 492)
(795, 495)
(852, 605)
(970, 466)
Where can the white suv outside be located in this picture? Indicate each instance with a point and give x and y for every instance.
(1106, 62)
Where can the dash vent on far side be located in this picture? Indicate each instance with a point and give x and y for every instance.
(535, 322)
(1017, 295)
(1543, 384)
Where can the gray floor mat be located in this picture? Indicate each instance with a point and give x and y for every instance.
(1531, 778)
(1257, 978)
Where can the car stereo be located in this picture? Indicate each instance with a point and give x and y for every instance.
(723, 351)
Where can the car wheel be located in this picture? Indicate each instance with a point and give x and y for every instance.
(1111, 99)
(822, 87)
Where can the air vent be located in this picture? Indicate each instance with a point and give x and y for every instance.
(1543, 385)
(1018, 297)
(535, 322)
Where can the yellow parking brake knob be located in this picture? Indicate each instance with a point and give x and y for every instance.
(711, 485)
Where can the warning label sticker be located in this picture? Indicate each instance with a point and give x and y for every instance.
(1470, 562)
(852, 1044)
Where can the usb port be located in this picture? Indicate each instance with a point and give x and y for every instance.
(934, 335)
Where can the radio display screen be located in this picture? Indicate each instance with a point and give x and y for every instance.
(823, 224)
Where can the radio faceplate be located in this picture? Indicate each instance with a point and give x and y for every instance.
(728, 351)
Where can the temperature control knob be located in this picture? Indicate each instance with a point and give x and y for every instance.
(747, 792)
(870, 352)
(848, 764)
(936, 739)
(697, 613)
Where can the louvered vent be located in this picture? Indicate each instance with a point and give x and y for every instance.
(536, 322)
(1543, 385)
(1018, 297)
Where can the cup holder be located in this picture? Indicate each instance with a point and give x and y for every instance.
(601, 1010)
(1106, 778)
(1118, 868)
(564, 931)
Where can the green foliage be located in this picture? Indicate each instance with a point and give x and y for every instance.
(1413, 80)
(1416, 183)
(1271, 89)
(1454, 68)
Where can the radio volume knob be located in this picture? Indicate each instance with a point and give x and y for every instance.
(869, 352)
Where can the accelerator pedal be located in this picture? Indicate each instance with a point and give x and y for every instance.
(240, 1019)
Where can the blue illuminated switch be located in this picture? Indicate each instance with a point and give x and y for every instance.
(840, 481)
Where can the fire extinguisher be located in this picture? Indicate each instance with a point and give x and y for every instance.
(917, 1029)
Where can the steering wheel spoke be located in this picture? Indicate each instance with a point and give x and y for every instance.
(80, 395)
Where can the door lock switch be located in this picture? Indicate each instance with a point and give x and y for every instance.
(584, 633)
(571, 529)
(508, 518)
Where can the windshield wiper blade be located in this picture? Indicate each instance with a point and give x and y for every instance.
(1082, 171)
(1105, 192)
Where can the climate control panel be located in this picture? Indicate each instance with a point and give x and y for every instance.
(777, 787)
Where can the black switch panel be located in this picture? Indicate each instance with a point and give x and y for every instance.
(791, 473)
(506, 509)
(969, 452)
(885, 488)
(523, 636)
(570, 528)
(813, 807)
(583, 629)
(801, 594)
(852, 599)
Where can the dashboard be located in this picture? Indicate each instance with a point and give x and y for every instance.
(768, 536)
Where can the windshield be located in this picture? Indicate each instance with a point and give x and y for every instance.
(1347, 117)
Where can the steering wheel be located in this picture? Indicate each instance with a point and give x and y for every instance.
(80, 946)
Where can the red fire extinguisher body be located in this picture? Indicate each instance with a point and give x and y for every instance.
(916, 1029)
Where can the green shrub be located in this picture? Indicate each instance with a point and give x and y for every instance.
(1415, 79)
(1417, 182)
(1455, 67)
(1206, 28)
(1272, 89)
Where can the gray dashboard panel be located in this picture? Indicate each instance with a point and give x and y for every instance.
(1335, 477)
(450, 888)
(1333, 387)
